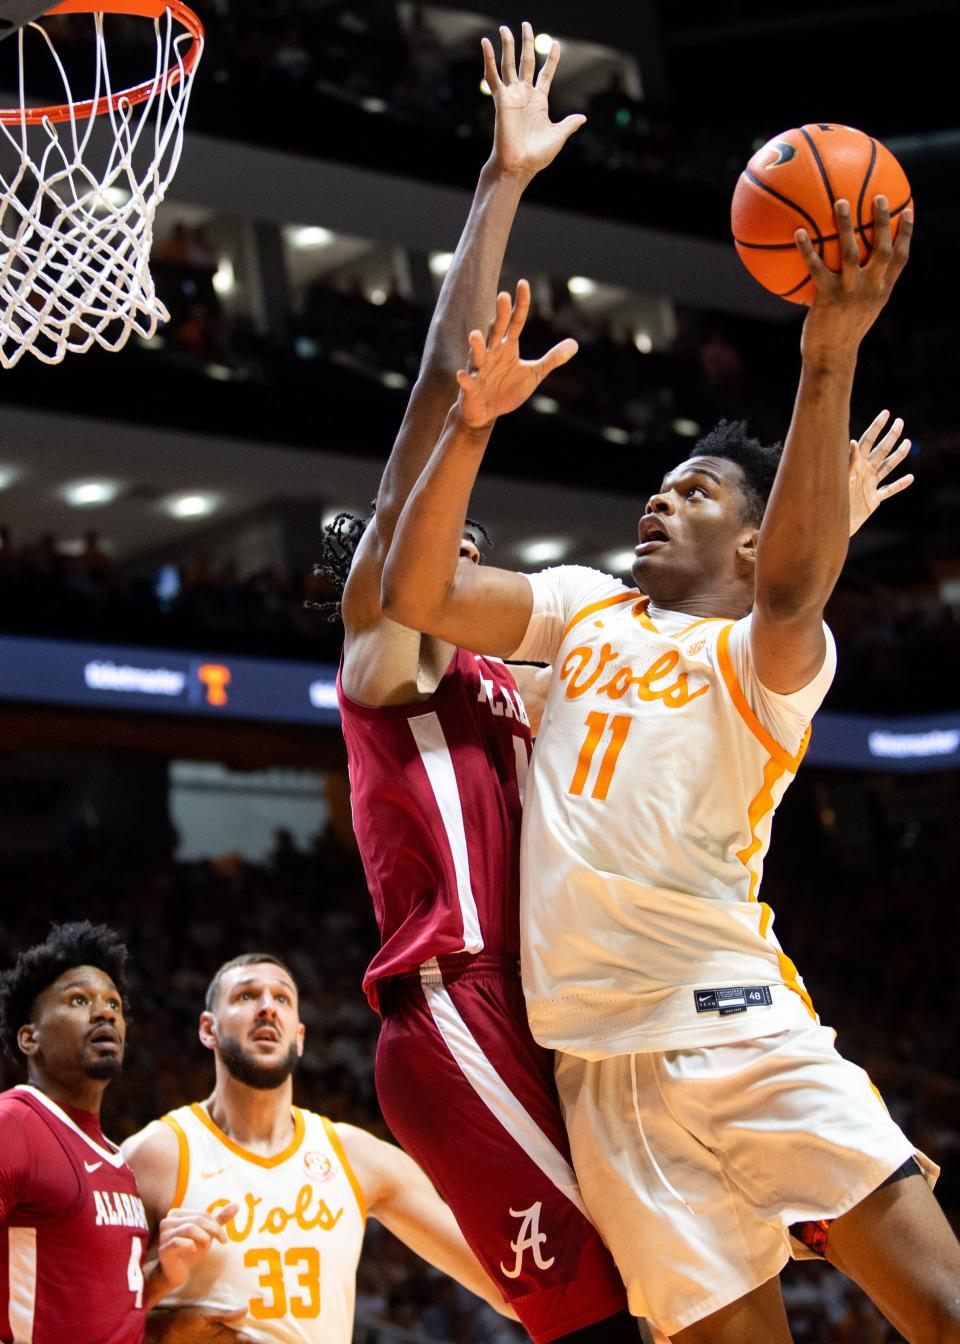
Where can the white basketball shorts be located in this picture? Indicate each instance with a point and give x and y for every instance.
(694, 1163)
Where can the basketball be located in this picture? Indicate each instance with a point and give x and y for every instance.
(792, 183)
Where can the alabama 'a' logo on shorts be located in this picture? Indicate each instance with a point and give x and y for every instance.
(529, 1238)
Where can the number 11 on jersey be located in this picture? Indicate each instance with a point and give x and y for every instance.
(596, 725)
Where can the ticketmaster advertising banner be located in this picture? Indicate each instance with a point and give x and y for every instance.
(169, 681)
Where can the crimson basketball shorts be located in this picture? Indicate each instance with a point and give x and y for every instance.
(470, 1095)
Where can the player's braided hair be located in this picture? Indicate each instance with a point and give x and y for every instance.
(338, 545)
(758, 462)
(67, 945)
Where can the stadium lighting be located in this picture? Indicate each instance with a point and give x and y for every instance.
(543, 551)
(190, 506)
(90, 494)
(440, 263)
(224, 277)
(581, 287)
(310, 236)
(688, 429)
(643, 341)
(619, 562)
(542, 44)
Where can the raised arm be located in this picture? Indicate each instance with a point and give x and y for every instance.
(803, 538)
(377, 658)
(425, 586)
(400, 1196)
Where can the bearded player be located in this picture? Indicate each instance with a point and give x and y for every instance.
(438, 743)
(708, 1110)
(73, 1231)
(298, 1187)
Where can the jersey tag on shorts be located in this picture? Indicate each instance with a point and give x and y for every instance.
(736, 999)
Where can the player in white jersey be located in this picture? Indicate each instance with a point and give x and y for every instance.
(303, 1186)
(708, 1111)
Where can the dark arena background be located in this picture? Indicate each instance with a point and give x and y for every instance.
(170, 758)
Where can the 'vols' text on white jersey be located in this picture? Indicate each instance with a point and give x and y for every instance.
(292, 1249)
(658, 767)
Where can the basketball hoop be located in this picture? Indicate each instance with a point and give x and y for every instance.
(80, 182)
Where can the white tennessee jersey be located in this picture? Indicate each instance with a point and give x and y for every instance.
(657, 769)
(293, 1247)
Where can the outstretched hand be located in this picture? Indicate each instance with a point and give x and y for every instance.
(848, 302)
(496, 380)
(525, 139)
(870, 464)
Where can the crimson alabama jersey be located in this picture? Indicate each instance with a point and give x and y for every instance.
(436, 789)
(73, 1231)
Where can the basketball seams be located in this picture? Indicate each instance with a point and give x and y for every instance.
(824, 238)
(866, 182)
(785, 200)
(807, 196)
(821, 166)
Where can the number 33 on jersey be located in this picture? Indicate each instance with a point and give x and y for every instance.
(292, 1249)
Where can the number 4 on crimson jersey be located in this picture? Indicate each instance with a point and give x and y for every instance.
(73, 1231)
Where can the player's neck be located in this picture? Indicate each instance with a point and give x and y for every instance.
(84, 1094)
(729, 601)
(259, 1119)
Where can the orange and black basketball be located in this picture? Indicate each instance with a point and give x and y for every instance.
(792, 183)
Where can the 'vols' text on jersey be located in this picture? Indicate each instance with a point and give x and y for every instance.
(73, 1231)
(293, 1247)
(658, 766)
(436, 788)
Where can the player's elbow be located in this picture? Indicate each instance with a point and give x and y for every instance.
(402, 603)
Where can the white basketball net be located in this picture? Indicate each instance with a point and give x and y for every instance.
(77, 206)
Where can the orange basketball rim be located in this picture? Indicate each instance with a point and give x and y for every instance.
(181, 68)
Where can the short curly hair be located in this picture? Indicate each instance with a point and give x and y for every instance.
(76, 944)
(758, 461)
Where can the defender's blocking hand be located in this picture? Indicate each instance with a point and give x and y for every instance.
(870, 464)
(496, 380)
(525, 139)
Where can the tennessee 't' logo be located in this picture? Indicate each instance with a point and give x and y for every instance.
(529, 1238)
(782, 153)
(216, 678)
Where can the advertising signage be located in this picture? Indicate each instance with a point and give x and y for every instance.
(167, 681)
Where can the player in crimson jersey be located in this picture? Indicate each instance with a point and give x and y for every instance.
(73, 1231)
(438, 742)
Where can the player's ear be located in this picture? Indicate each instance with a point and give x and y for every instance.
(208, 1030)
(301, 1036)
(28, 1039)
(747, 546)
